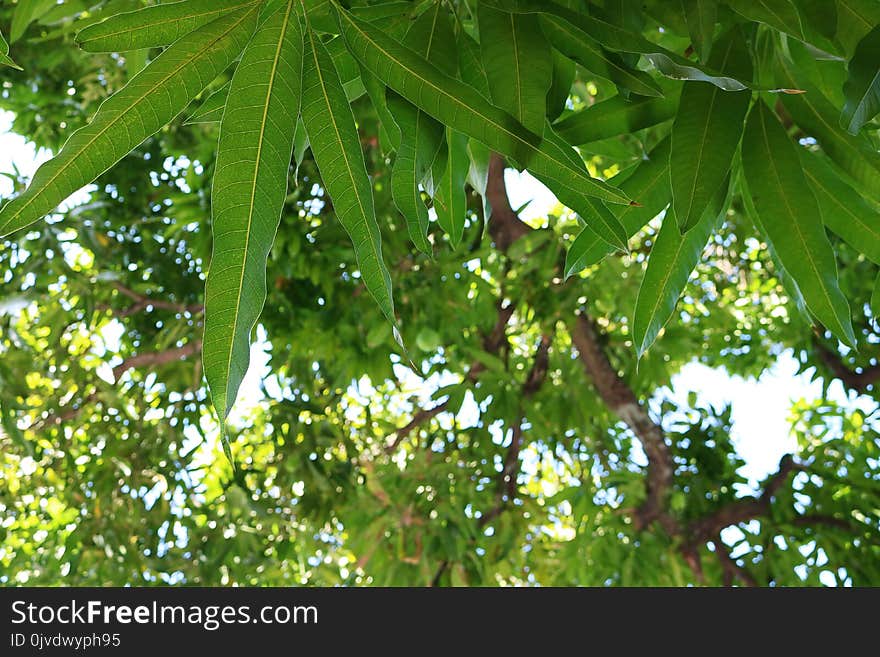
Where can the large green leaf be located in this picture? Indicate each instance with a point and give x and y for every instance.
(574, 43)
(782, 15)
(844, 210)
(564, 72)
(855, 18)
(450, 199)
(673, 258)
(418, 147)
(159, 25)
(788, 214)
(862, 87)
(249, 186)
(376, 90)
(619, 116)
(471, 65)
(141, 108)
(464, 109)
(818, 117)
(26, 12)
(706, 133)
(336, 148)
(5, 59)
(875, 300)
(518, 63)
(649, 183)
(700, 18)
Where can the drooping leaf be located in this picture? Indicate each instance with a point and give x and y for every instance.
(518, 63)
(862, 87)
(450, 200)
(706, 133)
(211, 109)
(418, 147)
(843, 209)
(700, 17)
(650, 184)
(818, 118)
(464, 109)
(564, 71)
(336, 148)
(788, 214)
(376, 90)
(141, 108)
(587, 52)
(155, 26)
(619, 116)
(478, 173)
(249, 186)
(5, 59)
(673, 258)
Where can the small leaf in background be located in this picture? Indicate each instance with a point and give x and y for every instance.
(862, 87)
(141, 108)
(700, 18)
(336, 148)
(788, 214)
(875, 300)
(518, 63)
(673, 258)
(450, 200)
(249, 186)
(211, 109)
(5, 59)
(155, 26)
(26, 12)
(844, 210)
(706, 133)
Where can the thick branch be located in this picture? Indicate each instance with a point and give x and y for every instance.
(505, 226)
(730, 568)
(621, 399)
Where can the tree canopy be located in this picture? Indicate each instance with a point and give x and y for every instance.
(460, 392)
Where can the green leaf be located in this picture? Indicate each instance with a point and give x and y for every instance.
(464, 109)
(336, 148)
(855, 18)
(700, 17)
(156, 26)
(619, 116)
(418, 146)
(875, 299)
(478, 173)
(650, 184)
(574, 43)
(141, 108)
(376, 90)
(5, 59)
(862, 87)
(788, 214)
(211, 109)
(673, 258)
(706, 133)
(471, 65)
(816, 116)
(26, 12)
(518, 63)
(564, 71)
(450, 200)
(843, 209)
(249, 186)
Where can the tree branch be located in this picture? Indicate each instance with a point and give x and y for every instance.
(730, 568)
(153, 358)
(142, 301)
(858, 381)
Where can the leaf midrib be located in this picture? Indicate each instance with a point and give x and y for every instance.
(263, 122)
(118, 118)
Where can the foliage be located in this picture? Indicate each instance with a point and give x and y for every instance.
(332, 178)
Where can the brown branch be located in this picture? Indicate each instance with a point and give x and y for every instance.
(143, 301)
(505, 226)
(621, 399)
(151, 359)
(730, 569)
(421, 416)
(858, 381)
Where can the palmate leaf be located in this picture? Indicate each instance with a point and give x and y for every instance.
(788, 214)
(249, 186)
(336, 148)
(464, 109)
(844, 210)
(862, 87)
(518, 63)
(619, 116)
(141, 108)
(649, 183)
(673, 258)
(706, 133)
(156, 26)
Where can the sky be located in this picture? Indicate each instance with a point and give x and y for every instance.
(760, 408)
